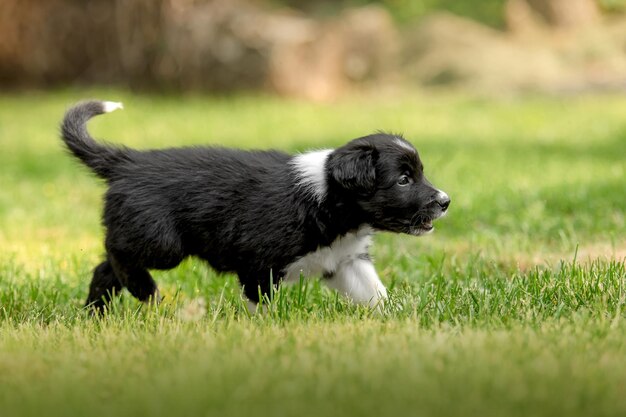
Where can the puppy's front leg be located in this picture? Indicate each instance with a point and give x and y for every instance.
(357, 279)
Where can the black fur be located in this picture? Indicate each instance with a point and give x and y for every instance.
(241, 211)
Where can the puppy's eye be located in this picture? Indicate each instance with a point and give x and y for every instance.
(404, 180)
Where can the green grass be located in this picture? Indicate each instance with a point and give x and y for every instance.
(514, 306)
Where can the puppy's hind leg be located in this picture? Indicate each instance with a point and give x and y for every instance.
(135, 278)
(104, 285)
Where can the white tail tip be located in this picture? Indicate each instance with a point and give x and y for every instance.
(110, 106)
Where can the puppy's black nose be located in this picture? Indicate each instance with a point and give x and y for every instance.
(443, 200)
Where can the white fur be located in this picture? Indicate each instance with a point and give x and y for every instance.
(328, 258)
(252, 306)
(416, 231)
(357, 279)
(110, 106)
(311, 172)
(405, 145)
(354, 277)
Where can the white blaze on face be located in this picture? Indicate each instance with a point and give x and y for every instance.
(310, 169)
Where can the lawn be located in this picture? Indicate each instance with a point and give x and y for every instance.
(514, 306)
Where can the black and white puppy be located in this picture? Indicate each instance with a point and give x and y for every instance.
(266, 215)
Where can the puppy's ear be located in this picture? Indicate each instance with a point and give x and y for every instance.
(354, 168)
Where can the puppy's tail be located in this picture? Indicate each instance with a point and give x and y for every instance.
(101, 158)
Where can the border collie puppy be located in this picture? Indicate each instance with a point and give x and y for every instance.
(265, 215)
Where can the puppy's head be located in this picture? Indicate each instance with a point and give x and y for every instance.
(385, 176)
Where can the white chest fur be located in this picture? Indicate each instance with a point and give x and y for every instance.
(328, 259)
